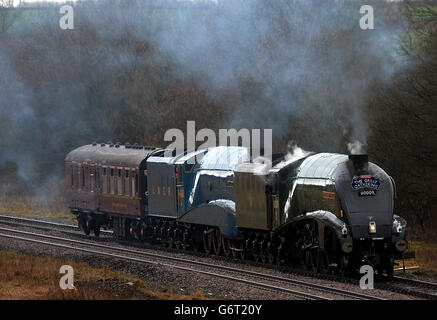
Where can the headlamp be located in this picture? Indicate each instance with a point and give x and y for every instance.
(372, 227)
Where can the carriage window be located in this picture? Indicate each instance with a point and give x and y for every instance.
(105, 181)
(96, 179)
(82, 176)
(76, 176)
(133, 184)
(72, 176)
(126, 184)
(112, 182)
(119, 183)
(91, 180)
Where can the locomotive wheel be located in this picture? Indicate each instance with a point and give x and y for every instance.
(173, 235)
(279, 255)
(344, 266)
(226, 245)
(238, 251)
(323, 260)
(86, 227)
(196, 246)
(256, 252)
(310, 261)
(389, 269)
(96, 230)
(195, 239)
(271, 249)
(184, 243)
(162, 232)
(129, 227)
(263, 258)
(170, 240)
(142, 233)
(263, 250)
(217, 241)
(136, 230)
(186, 240)
(207, 241)
(271, 259)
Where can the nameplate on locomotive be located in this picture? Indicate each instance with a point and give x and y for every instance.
(365, 182)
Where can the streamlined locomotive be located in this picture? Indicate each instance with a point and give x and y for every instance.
(324, 212)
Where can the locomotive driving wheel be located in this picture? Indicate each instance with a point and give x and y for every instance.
(169, 236)
(195, 239)
(310, 261)
(344, 266)
(238, 250)
(217, 241)
(271, 250)
(323, 266)
(207, 240)
(255, 245)
(226, 245)
(185, 239)
(177, 236)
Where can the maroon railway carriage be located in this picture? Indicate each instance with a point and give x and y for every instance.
(105, 182)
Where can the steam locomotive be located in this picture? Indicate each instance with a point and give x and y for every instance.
(324, 212)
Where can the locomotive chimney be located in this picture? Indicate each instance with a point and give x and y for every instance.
(360, 163)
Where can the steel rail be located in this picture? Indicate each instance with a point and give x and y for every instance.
(15, 219)
(257, 284)
(429, 284)
(288, 281)
(419, 288)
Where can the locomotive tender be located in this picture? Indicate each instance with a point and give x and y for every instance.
(324, 212)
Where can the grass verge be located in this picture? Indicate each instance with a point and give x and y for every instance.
(27, 277)
(34, 206)
(426, 257)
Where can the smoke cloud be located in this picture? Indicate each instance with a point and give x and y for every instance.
(303, 68)
(356, 147)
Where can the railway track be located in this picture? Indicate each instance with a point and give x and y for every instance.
(419, 288)
(41, 224)
(422, 289)
(256, 279)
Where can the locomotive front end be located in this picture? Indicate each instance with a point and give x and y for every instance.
(367, 193)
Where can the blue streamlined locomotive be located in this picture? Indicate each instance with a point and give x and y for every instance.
(324, 212)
